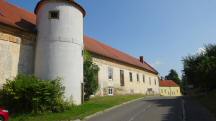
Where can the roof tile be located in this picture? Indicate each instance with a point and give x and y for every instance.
(168, 83)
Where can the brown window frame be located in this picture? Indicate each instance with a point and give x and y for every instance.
(110, 73)
(143, 78)
(131, 76)
(122, 78)
(138, 79)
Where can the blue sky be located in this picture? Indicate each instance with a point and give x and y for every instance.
(163, 31)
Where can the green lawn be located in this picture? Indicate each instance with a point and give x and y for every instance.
(209, 101)
(79, 112)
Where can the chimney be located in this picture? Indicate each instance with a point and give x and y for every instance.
(141, 59)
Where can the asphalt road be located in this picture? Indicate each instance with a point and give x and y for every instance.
(157, 109)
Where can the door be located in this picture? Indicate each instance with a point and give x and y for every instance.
(121, 77)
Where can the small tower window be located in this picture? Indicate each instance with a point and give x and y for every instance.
(54, 14)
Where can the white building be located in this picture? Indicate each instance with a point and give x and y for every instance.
(60, 44)
(53, 48)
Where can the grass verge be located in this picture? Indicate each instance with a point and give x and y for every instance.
(79, 112)
(209, 101)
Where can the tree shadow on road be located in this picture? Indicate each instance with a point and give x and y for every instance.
(168, 109)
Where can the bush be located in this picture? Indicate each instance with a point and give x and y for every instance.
(29, 94)
(90, 76)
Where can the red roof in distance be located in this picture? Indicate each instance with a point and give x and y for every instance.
(16, 17)
(168, 83)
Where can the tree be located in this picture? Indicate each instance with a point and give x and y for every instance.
(90, 76)
(173, 75)
(200, 69)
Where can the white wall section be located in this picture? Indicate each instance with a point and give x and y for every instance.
(59, 47)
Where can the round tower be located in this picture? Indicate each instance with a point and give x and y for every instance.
(60, 45)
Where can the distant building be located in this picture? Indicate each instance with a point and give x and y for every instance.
(53, 47)
(169, 88)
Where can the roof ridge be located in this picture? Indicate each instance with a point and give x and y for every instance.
(136, 60)
(116, 49)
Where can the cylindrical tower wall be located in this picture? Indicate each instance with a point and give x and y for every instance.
(59, 46)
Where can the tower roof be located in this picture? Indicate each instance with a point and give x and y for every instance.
(72, 2)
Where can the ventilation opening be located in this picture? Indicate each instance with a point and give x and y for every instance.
(54, 14)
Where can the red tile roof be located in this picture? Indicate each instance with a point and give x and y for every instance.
(97, 47)
(168, 83)
(19, 18)
(16, 17)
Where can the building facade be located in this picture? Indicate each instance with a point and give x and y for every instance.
(169, 88)
(20, 52)
(120, 73)
(118, 78)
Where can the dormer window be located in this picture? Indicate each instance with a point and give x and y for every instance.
(54, 14)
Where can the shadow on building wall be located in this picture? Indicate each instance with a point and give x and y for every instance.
(27, 47)
(26, 25)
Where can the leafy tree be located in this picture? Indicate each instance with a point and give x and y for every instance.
(90, 76)
(200, 69)
(184, 84)
(173, 75)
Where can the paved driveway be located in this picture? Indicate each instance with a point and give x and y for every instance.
(157, 109)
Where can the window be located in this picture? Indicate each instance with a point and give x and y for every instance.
(161, 90)
(132, 91)
(150, 90)
(149, 80)
(110, 73)
(131, 76)
(122, 77)
(143, 78)
(155, 81)
(54, 14)
(110, 91)
(137, 77)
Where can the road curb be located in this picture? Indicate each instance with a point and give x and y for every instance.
(109, 109)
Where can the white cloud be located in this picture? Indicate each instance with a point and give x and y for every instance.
(157, 63)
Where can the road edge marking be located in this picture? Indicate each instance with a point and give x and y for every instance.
(144, 110)
(183, 110)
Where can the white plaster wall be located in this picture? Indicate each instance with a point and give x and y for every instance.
(59, 47)
(170, 91)
(138, 87)
(15, 57)
(9, 59)
(152, 85)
